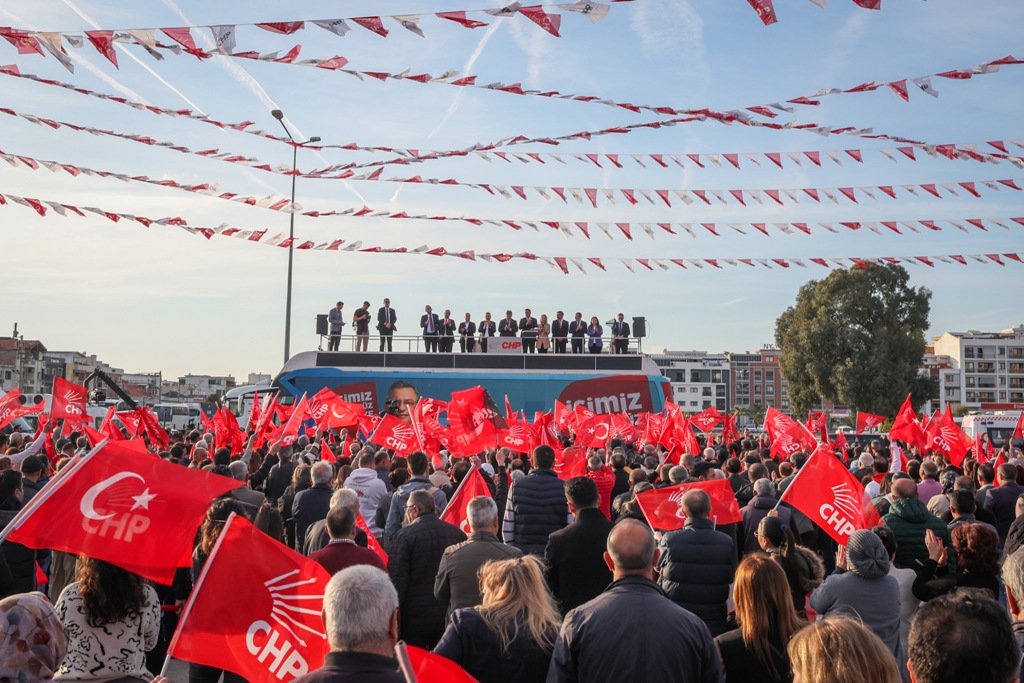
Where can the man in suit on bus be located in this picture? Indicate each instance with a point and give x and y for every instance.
(620, 335)
(467, 335)
(487, 330)
(560, 332)
(431, 329)
(508, 327)
(577, 330)
(336, 321)
(386, 318)
(528, 326)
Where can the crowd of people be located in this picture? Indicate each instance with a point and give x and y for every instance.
(565, 579)
(439, 332)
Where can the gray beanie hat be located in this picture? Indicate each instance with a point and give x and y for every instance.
(866, 555)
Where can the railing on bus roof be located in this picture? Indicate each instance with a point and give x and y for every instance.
(416, 344)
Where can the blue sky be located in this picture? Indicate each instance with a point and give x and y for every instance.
(163, 299)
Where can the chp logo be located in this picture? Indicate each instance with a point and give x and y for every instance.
(675, 504)
(517, 438)
(401, 436)
(291, 612)
(117, 507)
(72, 400)
(843, 511)
(872, 421)
(704, 422)
(946, 437)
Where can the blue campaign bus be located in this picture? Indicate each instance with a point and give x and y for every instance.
(603, 383)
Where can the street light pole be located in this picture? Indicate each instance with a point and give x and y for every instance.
(279, 115)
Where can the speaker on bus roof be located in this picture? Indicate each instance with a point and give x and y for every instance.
(321, 324)
(639, 327)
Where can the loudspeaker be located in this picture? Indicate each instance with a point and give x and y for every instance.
(321, 325)
(639, 327)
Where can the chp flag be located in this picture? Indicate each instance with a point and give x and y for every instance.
(663, 511)
(830, 496)
(261, 619)
(471, 487)
(114, 504)
(866, 421)
(68, 401)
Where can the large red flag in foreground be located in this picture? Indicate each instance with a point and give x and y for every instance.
(829, 495)
(662, 510)
(261, 619)
(115, 504)
(471, 487)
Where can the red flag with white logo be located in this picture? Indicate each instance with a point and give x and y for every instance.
(474, 420)
(1018, 430)
(866, 421)
(949, 438)
(707, 420)
(11, 407)
(108, 428)
(68, 401)
(395, 434)
(254, 413)
(569, 463)
(261, 620)
(139, 513)
(519, 436)
(729, 431)
(594, 432)
(662, 510)
(471, 487)
(329, 410)
(293, 428)
(829, 495)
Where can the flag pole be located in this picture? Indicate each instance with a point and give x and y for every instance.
(195, 592)
(402, 655)
(795, 477)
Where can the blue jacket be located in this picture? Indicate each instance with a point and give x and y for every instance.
(536, 507)
(697, 565)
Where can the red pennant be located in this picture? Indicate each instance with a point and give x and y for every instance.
(765, 12)
(103, 41)
(373, 24)
(460, 18)
(549, 22)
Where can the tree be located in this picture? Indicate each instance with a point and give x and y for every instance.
(755, 412)
(856, 337)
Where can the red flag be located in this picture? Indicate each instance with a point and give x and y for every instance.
(293, 428)
(226, 430)
(519, 436)
(395, 434)
(108, 428)
(765, 11)
(471, 487)
(68, 401)
(866, 421)
(329, 410)
(254, 413)
(689, 439)
(948, 437)
(140, 514)
(817, 423)
(11, 407)
(260, 620)
(840, 445)
(266, 422)
(103, 41)
(829, 495)
(562, 416)
(594, 432)
(474, 420)
(569, 463)
(905, 427)
(157, 434)
(707, 420)
(209, 426)
(371, 540)
(662, 510)
(1018, 431)
(729, 431)
(426, 667)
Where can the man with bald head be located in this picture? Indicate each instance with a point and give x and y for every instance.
(633, 615)
(909, 519)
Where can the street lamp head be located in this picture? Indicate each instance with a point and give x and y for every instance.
(315, 138)
(277, 114)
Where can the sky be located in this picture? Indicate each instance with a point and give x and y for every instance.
(162, 298)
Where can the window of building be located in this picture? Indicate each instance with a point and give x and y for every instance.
(769, 390)
(693, 404)
(694, 390)
(706, 391)
(757, 390)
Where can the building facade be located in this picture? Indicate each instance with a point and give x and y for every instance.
(986, 369)
(699, 379)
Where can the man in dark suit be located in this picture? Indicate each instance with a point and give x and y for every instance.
(431, 329)
(508, 327)
(560, 332)
(487, 330)
(467, 335)
(528, 328)
(342, 551)
(337, 321)
(447, 327)
(620, 335)
(1002, 500)
(386, 323)
(576, 570)
(577, 331)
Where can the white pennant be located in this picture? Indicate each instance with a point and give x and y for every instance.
(336, 26)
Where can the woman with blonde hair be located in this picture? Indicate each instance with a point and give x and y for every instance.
(756, 652)
(840, 650)
(543, 335)
(511, 634)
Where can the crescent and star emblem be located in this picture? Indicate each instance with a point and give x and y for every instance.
(89, 499)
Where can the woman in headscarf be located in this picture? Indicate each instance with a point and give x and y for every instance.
(32, 640)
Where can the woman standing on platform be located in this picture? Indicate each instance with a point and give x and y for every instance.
(594, 332)
(543, 335)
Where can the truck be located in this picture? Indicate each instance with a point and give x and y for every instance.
(998, 426)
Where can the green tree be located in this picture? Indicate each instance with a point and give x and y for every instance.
(856, 337)
(213, 398)
(755, 412)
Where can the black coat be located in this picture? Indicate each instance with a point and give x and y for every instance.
(621, 483)
(697, 566)
(279, 479)
(383, 317)
(560, 329)
(20, 561)
(469, 642)
(310, 506)
(508, 328)
(576, 571)
(355, 667)
(536, 508)
(1002, 501)
(741, 665)
(415, 556)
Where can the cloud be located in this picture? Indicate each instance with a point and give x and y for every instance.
(843, 44)
(466, 70)
(672, 27)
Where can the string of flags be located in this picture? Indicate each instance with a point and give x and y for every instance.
(765, 9)
(225, 35)
(561, 263)
(275, 203)
(969, 152)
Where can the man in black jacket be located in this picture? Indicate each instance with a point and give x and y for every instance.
(313, 503)
(633, 616)
(560, 332)
(386, 318)
(467, 335)
(508, 326)
(697, 563)
(528, 328)
(576, 571)
(578, 331)
(416, 552)
(1002, 500)
(536, 506)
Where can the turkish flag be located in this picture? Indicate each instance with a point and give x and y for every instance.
(138, 513)
(329, 410)
(425, 667)
(594, 432)
(662, 510)
(68, 401)
(905, 427)
(866, 421)
(474, 420)
(829, 495)
(371, 541)
(11, 407)
(569, 463)
(707, 420)
(261, 620)
(1018, 430)
(471, 487)
(108, 428)
(395, 434)
(947, 436)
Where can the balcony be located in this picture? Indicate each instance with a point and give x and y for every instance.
(1016, 352)
(1017, 368)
